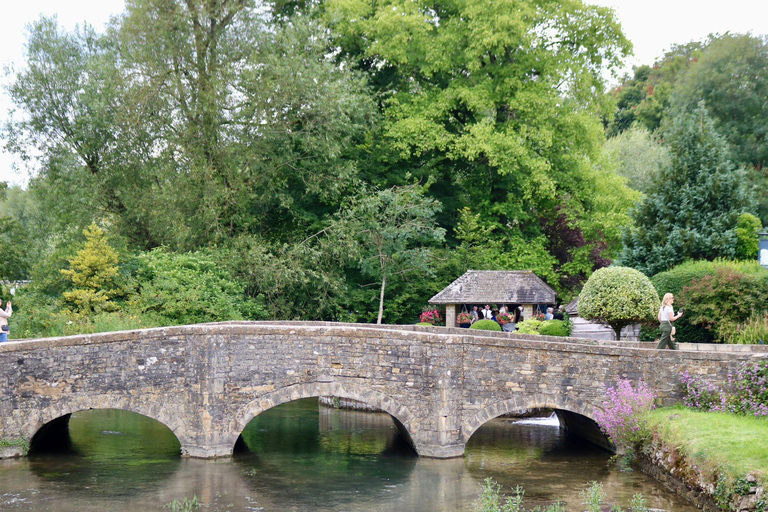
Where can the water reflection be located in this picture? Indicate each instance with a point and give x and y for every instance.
(303, 458)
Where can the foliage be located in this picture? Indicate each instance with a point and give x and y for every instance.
(735, 107)
(674, 280)
(721, 301)
(529, 326)
(190, 288)
(747, 230)
(618, 296)
(554, 328)
(645, 99)
(692, 210)
(388, 233)
(753, 331)
(496, 102)
(14, 262)
(93, 272)
(241, 134)
(491, 499)
(17, 442)
(593, 496)
(621, 418)
(185, 505)
(486, 325)
(638, 156)
(745, 393)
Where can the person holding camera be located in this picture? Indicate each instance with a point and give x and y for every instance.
(5, 314)
(666, 317)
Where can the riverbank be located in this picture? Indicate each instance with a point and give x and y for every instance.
(717, 460)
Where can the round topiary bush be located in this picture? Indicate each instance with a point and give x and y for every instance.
(554, 328)
(486, 325)
(618, 296)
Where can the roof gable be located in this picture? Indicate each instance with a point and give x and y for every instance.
(496, 286)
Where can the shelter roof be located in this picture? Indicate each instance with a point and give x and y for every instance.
(498, 287)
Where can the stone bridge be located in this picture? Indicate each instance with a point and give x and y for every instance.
(206, 382)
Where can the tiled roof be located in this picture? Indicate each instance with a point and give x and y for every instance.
(496, 286)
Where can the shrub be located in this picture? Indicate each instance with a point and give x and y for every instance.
(621, 417)
(190, 288)
(721, 301)
(745, 393)
(530, 326)
(674, 280)
(554, 328)
(486, 325)
(747, 236)
(93, 271)
(618, 296)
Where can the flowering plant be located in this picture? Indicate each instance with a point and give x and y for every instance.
(464, 318)
(504, 318)
(621, 417)
(430, 316)
(744, 393)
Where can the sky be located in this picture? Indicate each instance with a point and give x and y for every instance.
(653, 26)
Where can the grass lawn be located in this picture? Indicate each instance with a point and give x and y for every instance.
(737, 444)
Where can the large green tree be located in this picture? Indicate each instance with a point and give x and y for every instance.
(497, 102)
(191, 122)
(693, 208)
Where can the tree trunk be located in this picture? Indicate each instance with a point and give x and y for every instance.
(381, 299)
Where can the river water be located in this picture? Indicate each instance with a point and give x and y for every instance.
(303, 457)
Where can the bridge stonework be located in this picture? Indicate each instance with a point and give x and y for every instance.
(206, 382)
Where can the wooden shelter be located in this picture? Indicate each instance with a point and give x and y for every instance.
(495, 287)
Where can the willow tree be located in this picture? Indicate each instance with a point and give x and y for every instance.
(191, 122)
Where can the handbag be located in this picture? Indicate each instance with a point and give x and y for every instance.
(5, 328)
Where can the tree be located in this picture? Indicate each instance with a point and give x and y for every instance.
(747, 234)
(191, 122)
(692, 210)
(644, 99)
(638, 156)
(388, 232)
(92, 272)
(14, 260)
(496, 102)
(618, 296)
(731, 78)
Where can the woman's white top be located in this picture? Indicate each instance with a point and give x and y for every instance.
(665, 312)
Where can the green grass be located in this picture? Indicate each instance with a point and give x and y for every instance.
(736, 444)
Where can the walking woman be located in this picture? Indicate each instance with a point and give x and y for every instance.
(666, 317)
(5, 314)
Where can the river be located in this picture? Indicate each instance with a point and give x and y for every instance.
(303, 457)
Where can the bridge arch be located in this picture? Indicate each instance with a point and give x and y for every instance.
(162, 413)
(405, 420)
(565, 407)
